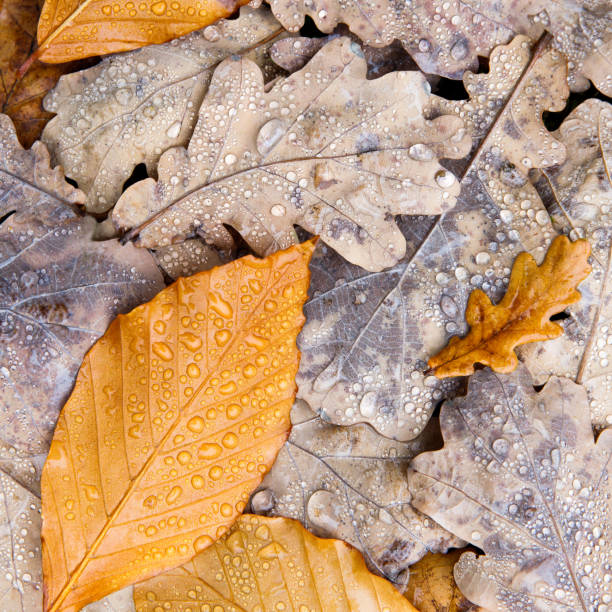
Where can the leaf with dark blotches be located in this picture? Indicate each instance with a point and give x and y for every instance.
(350, 483)
(58, 289)
(131, 107)
(324, 148)
(578, 195)
(368, 336)
(521, 477)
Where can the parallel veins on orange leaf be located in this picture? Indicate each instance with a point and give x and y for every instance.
(534, 294)
(177, 413)
(73, 29)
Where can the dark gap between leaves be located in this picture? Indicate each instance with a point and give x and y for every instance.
(553, 121)
(560, 316)
(310, 29)
(139, 174)
(4, 217)
(72, 182)
(450, 89)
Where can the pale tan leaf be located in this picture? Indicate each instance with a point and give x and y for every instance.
(58, 289)
(324, 149)
(368, 336)
(521, 478)
(131, 107)
(186, 258)
(350, 483)
(271, 565)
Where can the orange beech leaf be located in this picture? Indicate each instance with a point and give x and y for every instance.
(534, 294)
(177, 413)
(272, 564)
(73, 29)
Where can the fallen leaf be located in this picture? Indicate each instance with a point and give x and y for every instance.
(578, 194)
(534, 294)
(131, 107)
(368, 336)
(432, 587)
(272, 564)
(178, 411)
(73, 29)
(21, 96)
(324, 149)
(446, 37)
(58, 289)
(350, 483)
(186, 258)
(521, 478)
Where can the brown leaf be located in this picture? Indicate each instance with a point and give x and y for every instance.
(432, 586)
(324, 149)
(186, 258)
(534, 294)
(350, 483)
(21, 96)
(578, 194)
(106, 125)
(58, 289)
(368, 336)
(177, 413)
(521, 478)
(272, 564)
(73, 29)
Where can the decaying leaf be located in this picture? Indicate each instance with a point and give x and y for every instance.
(368, 336)
(58, 289)
(73, 29)
(578, 195)
(272, 564)
(432, 587)
(534, 294)
(349, 483)
(521, 478)
(178, 411)
(131, 107)
(187, 258)
(21, 96)
(324, 149)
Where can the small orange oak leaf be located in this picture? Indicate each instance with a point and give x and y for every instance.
(281, 566)
(177, 413)
(74, 29)
(534, 294)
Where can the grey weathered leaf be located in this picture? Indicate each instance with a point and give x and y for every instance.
(578, 194)
(368, 336)
(187, 258)
(58, 290)
(324, 149)
(521, 477)
(133, 106)
(349, 483)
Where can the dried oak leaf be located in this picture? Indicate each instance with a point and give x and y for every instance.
(368, 336)
(131, 107)
(521, 478)
(534, 294)
(349, 483)
(58, 289)
(272, 564)
(324, 149)
(578, 194)
(73, 29)
(177, 412)
(186, 258)
(21, 96)
(432, 586)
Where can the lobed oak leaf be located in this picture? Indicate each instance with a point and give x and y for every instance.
(187, 258)
(282, 567)
(59, 289)
(368, 336)
(74, 29)
(177, 412)
(534, 294)
(521, 478)
(324, 149)
(578, 195)
(349, 483)
(131, 107)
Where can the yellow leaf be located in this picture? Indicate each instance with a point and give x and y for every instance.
(73, 29)
(272, 565)
(177, 413)
(534, 294)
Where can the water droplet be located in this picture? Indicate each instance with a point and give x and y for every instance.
(209, 450)
(448, 306)
(459, 50)
(163, 351)
(444, 178)
(174, 494)
(278, 210)
(269, 135)
(230, 440)
(220, 306)
(367, 405)
(196, 424)
(420, 152)
(174, 130)
(201, 543)
(230, 159)
(193, 371)
(158, 8)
